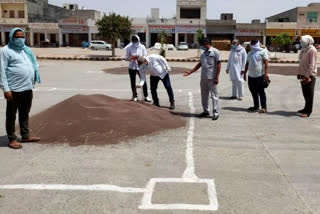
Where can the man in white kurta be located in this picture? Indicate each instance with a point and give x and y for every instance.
(236, 67)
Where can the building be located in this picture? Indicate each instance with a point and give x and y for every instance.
(191, 15)
(245, 32)
(47, 24)
(223, 29)
(296, 22)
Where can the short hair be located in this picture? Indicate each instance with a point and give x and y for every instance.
(254, 41)
(141, 59)
(204, 41)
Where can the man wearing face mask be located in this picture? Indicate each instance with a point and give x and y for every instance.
(159, 71)
(236, 67)
(257, 64)
(18, 74)
(210, 63)
(133, 51)
(307, 73)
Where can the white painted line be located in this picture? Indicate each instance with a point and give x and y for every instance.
(95, 72)
(46, 89)
(190, 170)
(110, 188)
(146, 203)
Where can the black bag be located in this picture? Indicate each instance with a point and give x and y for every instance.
(266, 82)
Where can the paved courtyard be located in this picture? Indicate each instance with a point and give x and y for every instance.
(244, 163)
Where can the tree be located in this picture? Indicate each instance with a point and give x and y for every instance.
(114, 27)
(163, 38)
(199, 37)
(281, 41)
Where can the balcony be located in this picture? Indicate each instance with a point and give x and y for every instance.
(13, 21)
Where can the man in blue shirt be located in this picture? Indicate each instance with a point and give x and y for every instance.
(18, 74)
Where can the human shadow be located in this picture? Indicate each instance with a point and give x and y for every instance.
(225, 98)
(4, 141)
(284, 113)
(188, 115)
(237, 109)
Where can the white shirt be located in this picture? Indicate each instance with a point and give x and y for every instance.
(236, 64)
(157, 66)
(135, 51)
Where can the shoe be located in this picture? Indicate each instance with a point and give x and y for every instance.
(147, 99)
(15, 145)
(156, 104)
(135, 99)
(301, 111)
(30, 140)
(203, 114)
(233, 98)
(172, 106)
(240, 98)
(215, 117)
(253, 109)
(262, 111)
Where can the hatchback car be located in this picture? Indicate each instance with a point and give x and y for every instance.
(183, 46)
(100, 45)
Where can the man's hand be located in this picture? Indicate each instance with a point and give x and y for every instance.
(216, 81)
(306, 80)
(266, 76)
(187, 73)
(227, 71)
(8, 95)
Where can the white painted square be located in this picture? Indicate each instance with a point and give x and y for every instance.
(146, 203)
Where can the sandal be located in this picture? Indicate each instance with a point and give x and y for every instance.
(262, 111)
(304, 115)
(15, 145)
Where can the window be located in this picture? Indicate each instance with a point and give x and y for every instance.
(190, 13)
(11, 14)
(21, 14)
(312, 17)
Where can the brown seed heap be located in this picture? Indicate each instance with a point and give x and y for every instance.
(100, 120)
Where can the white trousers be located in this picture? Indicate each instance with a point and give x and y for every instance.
(208, 88)
(237, 88)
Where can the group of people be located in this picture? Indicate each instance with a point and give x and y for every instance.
(241, 64)
(19, 72)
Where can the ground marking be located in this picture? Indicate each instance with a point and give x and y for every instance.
(111, 188)
(189, 176)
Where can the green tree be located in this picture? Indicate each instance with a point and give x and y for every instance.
(163, 39)
(114, 27)
(281, 41)
(199, 37)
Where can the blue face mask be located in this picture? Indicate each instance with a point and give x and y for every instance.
(135, 44)
(202, 48)
(19, 42)
(234, 46)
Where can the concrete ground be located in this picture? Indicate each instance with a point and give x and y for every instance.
(191, 53)
(244, 163)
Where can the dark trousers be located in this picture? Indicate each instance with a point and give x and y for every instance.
(154, 81)
(133, 74)
(308, 94)
(257, 90)
(21, 102)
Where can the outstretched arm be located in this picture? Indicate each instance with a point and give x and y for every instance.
(187, 73)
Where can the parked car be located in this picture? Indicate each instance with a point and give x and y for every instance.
(156, 46)
(183, 46)
(100, 45)
(170, 47)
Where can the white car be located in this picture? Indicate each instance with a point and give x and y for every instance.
(100, 45)
(170, 47)
(156, 46)
(183, 46)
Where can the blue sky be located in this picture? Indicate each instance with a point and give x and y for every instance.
(243, 10)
